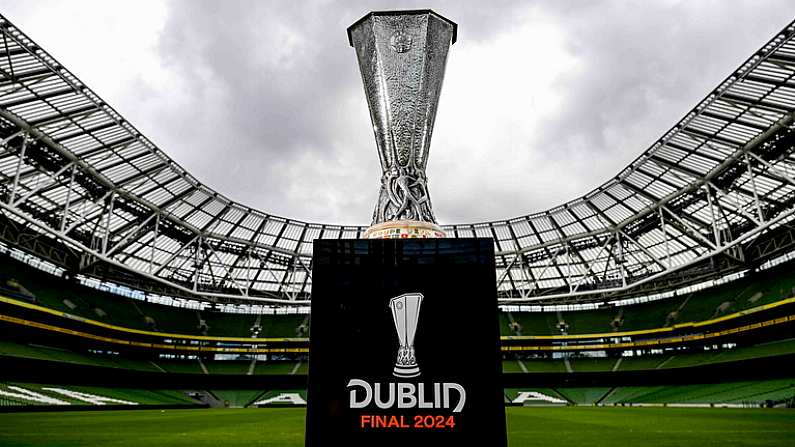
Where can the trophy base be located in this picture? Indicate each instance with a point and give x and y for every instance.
(404, 229)
(406, 371)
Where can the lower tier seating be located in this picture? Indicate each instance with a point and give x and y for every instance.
(25, 394)
(572, 363)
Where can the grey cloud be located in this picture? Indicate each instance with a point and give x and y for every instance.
(276, 110)
(648, 64)
(644, 65)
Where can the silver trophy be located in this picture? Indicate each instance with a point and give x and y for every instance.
(406, 313)
(402, 57)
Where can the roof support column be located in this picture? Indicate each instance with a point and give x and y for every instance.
(715, 232)
(753, 186)
(666, 238)
(12, 194)
(620, 259)
(107, 223)
(68, 198)
(154, 243)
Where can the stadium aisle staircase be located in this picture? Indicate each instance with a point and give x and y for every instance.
(583, 396)
(237, 398)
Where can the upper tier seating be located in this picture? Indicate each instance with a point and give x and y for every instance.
(21, 281)
(755, 290)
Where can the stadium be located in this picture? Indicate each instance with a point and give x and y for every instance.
(139, 305)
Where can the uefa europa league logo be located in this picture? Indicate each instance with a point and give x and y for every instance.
(406, 313)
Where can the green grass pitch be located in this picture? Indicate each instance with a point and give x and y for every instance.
(568, 426)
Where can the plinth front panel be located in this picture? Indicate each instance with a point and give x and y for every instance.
(404, 344)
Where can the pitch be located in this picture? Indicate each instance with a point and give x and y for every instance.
(569, 426)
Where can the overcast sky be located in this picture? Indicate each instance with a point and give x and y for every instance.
(262, 101)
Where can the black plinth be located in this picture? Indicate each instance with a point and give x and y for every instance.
(380, 310)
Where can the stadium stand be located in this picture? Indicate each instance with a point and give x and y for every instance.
(740, 394)
(754, 290)
(529, 365)
(56, 293)
(184, 366)
(754, 393)
(237, 367)
(26, 283)
(24, 394)
(38, 352)
(60, 294)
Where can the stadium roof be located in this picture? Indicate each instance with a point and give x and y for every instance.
(696, 203)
